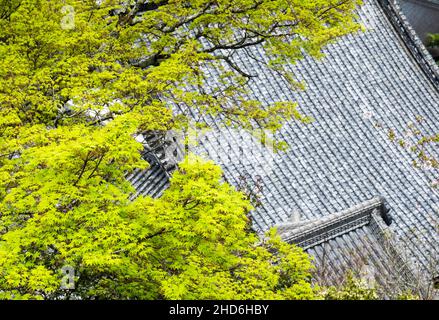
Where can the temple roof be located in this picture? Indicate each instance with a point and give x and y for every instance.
(356, 239)
(368, 82)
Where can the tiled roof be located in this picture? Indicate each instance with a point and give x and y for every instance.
(162, 153)
(314, 232)
(357, 239)
(381, 78)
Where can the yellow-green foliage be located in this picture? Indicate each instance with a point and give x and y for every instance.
(76, 83)
(192, 243)
(433, 40)
(353, 289)
(98, 60)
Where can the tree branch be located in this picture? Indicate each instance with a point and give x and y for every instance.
(84, 166)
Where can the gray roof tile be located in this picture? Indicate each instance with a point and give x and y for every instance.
(344, 158)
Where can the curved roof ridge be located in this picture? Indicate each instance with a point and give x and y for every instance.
(311, 233)
(410, 38)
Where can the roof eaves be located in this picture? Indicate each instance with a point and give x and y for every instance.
(417, 49)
